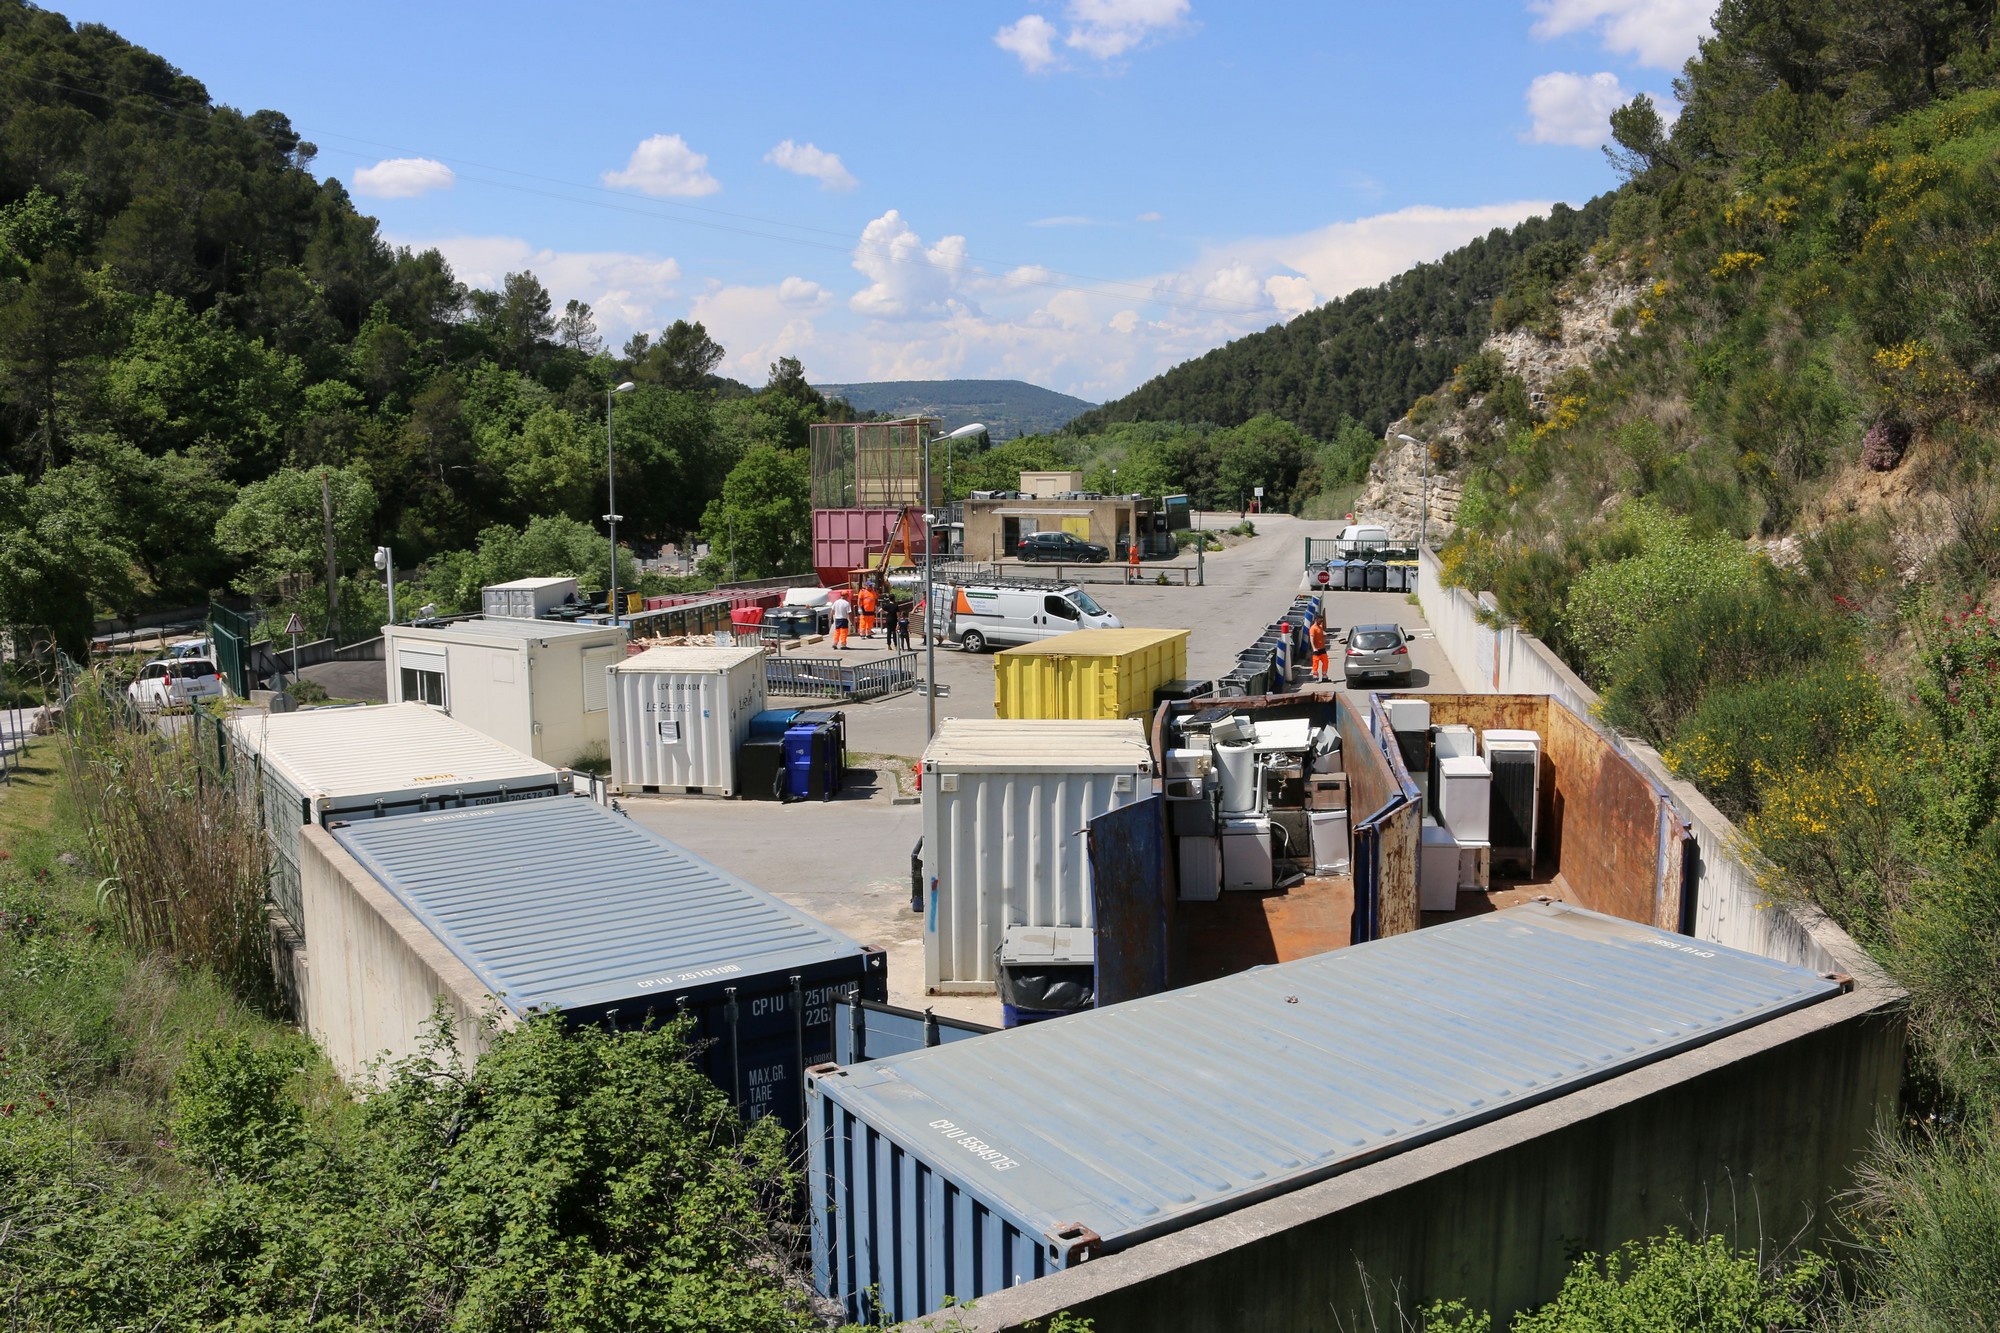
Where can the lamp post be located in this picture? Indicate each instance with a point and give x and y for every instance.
(930, 541)
(1423, 519)
(385, 560)
(611, 493)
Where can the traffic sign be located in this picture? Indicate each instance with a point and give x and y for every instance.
(293, 626)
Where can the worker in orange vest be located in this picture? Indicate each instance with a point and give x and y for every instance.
(1316, 638)
(1132, 560)
(868, 600)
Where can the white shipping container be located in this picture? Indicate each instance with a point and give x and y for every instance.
(1005, 805)
(536, 685)
(526, 599)
(357, 763)
(678, 716)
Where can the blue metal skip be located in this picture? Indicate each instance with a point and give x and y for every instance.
(953, 1172)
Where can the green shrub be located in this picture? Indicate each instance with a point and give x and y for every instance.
(1926, 1222)
(1674, 1284)
(1741, 736)
(1611, 601)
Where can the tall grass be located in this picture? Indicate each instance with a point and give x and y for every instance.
(178, 851)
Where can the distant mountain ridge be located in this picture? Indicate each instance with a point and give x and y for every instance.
(1009, 408)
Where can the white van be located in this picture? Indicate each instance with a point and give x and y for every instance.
(1357, 538)
(999, 615)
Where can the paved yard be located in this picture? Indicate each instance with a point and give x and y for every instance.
(848, 861)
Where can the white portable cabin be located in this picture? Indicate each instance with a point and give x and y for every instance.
(1005, 805)
(678, 716)
(528, 599)
(320, 764)
(539, 686)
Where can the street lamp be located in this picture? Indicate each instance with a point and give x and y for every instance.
(611, 493)
(930, 542)
(385, 560)
(1424, 519)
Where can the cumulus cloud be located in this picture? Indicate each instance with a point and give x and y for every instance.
(627, 292)
(665, 166)
(1031, 39)
(907, 279)
(804, 159)
(1660, 33)
(757, 325)
(403, 178)
(1574, 108)
(803, 292)
(1100, 29)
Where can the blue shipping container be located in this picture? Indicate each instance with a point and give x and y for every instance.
(559, 904)
(954, 1172)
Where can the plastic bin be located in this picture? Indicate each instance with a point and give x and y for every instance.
(760, 769)
(811, 773)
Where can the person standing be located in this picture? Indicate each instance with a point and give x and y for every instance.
(868, 601)
(1316, 638)
(903, 626)
(842, 609)
(890, 614)
(1132, 559)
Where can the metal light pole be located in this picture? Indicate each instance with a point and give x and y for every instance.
(1423, 519)
(385, 560)
(611, 494)
(930, 612)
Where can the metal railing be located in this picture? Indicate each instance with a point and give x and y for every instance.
(831, 678)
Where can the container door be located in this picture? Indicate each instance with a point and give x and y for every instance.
(1128, 879)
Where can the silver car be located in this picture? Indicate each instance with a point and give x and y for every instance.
(1378, 652)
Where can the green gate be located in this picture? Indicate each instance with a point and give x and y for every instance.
(229, 632)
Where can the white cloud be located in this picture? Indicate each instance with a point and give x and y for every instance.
(627, 292)
(1660, 33)
(803, 292)
(1032, 39)
(1028, 275)
(1574, 108)
(809, 160)
(664, 165)
(403, 178)
(1124, 321)
(1100, 29)
(1289, 294)
(757, 325)
(907, 279)
(1065, 220)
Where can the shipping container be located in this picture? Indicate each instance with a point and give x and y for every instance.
(845, 539)
(679, 715)
(321, 764)
(1005, 804)
(526, 599)
(1088, 673)
(536, 685)
(951, 1173)
(564, 906)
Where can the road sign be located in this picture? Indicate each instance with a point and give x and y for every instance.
(1257, 491)
(293, 626)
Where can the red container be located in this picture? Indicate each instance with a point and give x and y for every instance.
(845, 539)
(746, 617)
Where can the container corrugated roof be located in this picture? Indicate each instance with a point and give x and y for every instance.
(689, 659)
(381, 749)
(1010, 745)
(1145, 1116)
(517, 628)
(528, 584)
(559, 904)
(1096, 643)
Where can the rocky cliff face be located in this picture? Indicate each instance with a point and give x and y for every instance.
(1394, 494)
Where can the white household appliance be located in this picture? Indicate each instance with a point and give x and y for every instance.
(1332, 844)
(1242, 791)
(1465, 800)
(1437, 870)
(1200, 870)
(1515, 758)
(1246, 852)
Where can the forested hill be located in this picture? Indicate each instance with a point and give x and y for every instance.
(1009, 408)
(202, 345)
(1370, 354)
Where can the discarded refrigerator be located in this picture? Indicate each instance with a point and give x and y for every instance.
(1516, 760)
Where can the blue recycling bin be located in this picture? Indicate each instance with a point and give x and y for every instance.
(811, 763)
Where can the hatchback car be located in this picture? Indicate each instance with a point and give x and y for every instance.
(1378, 652)
(173, 684)
(1062, 546)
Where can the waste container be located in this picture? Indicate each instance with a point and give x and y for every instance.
(1378, 578)
(1045, 972)
(836, 719)
(760, 769)
(773, 722)
(1356, 576)
(810, 773)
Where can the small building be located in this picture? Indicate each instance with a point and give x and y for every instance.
(1048, 485)
(995, 526)
(680, 714)
(537, 685)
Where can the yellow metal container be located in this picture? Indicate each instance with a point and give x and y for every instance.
(1097, 674)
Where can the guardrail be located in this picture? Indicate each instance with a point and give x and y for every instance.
(1104, 571)
(831, 678)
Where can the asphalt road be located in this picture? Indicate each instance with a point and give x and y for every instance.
(848, 861)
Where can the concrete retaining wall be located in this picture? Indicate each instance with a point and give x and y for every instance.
(1750, 1136)
(375, 973)
(1731, 906)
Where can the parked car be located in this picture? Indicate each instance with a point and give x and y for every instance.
(1378, 651)
(1061, 546)
(172, 683)
(185, 648)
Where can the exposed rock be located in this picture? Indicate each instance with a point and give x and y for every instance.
(1394, 492)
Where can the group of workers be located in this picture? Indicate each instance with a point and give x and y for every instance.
(871, 603)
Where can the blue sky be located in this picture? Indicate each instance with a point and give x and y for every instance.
(1079, 193)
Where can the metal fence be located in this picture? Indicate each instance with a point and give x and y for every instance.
(831, 678)
(229, 632)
